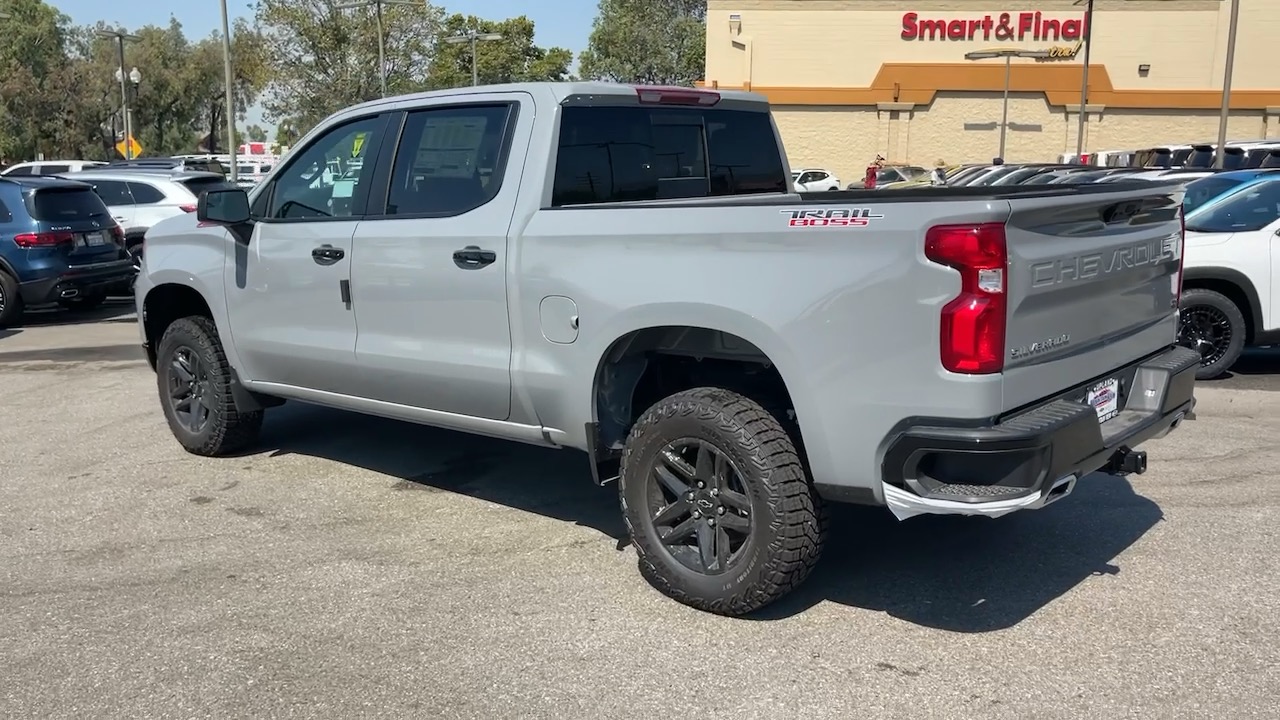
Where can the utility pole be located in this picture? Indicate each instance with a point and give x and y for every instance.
(1220, 156)
(1084, 76)
(227, 79)
(377, 12)
(473, 37)
(120, 36)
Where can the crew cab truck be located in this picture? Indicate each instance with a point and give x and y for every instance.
(624, 271)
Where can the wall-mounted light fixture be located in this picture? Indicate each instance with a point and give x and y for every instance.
(735, 23)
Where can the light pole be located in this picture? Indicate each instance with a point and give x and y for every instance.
(135, 78)
(120, 36)
(377, 11)
(227, 79)
(1221, 156)
(1008, 56)
(472, 36)
(1084, 74)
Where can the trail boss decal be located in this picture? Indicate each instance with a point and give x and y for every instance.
(830, 217)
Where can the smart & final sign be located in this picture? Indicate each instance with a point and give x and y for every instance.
(1004, 26)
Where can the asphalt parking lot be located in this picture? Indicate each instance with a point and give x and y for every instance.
(354, 567)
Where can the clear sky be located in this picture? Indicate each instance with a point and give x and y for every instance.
(557, 23)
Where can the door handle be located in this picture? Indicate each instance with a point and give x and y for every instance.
(327, 254)
(471, 257)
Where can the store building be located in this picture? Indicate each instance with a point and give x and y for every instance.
(850, 79)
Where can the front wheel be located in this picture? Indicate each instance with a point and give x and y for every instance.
(194, 380)
(720, 511)
(1212, 325)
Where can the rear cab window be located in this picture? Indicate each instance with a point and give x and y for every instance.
(618, 153)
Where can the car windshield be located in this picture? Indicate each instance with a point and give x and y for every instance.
(1252, 208)
(1205, 189)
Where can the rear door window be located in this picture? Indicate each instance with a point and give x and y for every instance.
(54, 169)
(615, 154)
(63, 205)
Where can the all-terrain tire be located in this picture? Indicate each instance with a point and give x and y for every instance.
(10, 300)
(229, 428)
(788, 526)
(1235, 319)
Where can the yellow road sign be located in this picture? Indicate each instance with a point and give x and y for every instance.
(133, 145)
(358, 143)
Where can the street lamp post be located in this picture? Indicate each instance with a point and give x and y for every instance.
(1008, 56)
(377, 11)
(120, 36)
(1084, 75)
(227, 79)
(472, 37)
(135, 78)
(1220, 156)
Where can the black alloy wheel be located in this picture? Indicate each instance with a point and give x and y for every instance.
(699, 507)
(190, 391)
(1212, 325)
(719, 506)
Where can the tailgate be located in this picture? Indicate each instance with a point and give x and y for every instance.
(1093, 285)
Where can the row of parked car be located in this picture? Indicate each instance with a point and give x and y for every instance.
(77, 236)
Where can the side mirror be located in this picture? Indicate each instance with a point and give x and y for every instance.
(224, 206)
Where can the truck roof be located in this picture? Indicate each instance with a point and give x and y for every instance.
(560, 91)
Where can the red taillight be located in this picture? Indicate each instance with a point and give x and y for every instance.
(187, 208)
(43, 239)
(973, 324)
(664, 95)
(117, 232)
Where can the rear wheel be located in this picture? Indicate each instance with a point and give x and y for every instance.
(10, 300)
(719, 507)
(1212, 325)
(194, 380)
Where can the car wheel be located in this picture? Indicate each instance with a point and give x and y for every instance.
(720, 510)
(194, 381)
(1211, 324)
(10, 300)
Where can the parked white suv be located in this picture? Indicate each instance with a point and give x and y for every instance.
(139, 198)
(1230, 299)
(50, 167)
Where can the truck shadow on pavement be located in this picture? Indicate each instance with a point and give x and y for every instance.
(973, 574)
(953, 573)
(112, 310)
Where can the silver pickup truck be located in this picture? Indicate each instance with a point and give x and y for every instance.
(627, 271)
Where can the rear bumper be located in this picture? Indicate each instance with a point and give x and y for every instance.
(1034, 456)
(79, 281)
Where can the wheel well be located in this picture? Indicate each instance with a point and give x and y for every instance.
(165, 304)
(647, 365)
(1232, 292)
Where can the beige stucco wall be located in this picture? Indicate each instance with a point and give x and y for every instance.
(835, 44)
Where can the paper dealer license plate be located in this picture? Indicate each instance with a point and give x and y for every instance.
(1105, 399)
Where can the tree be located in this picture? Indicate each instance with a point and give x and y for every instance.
(514, 58)
(36, 91)
(255, 133)
(647, 41)
(321, 59)
(250, 75)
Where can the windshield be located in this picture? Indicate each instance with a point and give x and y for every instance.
(1205, 189)
(1252, 208)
